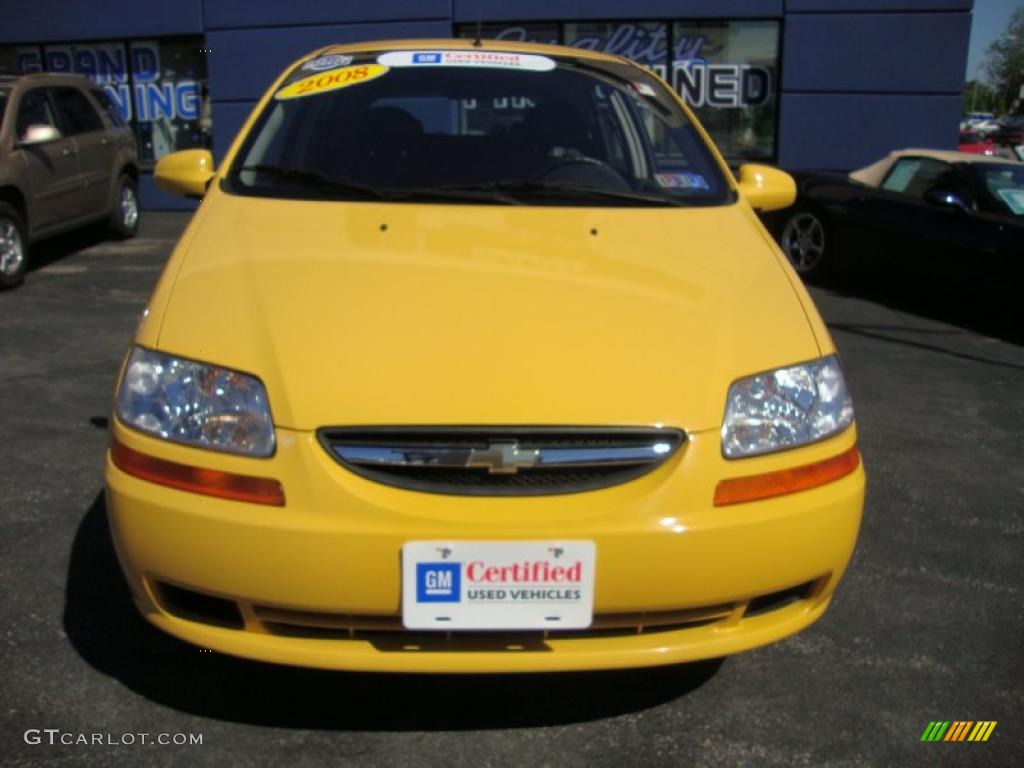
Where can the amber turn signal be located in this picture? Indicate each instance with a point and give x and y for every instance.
(209, 482)
(737, 490)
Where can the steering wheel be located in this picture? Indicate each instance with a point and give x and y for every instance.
(577, 168)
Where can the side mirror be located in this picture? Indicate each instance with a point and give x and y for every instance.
(945, 198)
(187, 172)
(766, 188)
(38, 133)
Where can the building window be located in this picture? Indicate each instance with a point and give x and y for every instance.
(159, 86)
(726, 71)
(644, 42)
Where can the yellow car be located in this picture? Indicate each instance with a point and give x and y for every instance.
(476, 358)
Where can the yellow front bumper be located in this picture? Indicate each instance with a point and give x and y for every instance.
(331, 557)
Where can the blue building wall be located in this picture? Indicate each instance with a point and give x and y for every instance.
(858, 77)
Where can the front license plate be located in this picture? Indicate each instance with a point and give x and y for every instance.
(453, 585)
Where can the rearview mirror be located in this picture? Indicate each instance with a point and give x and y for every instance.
(766, 188)
(946, 198)
(187, 172)
(38, 133)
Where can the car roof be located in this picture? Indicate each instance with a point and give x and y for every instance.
(873, 174)
(46, 78)
(465, 43)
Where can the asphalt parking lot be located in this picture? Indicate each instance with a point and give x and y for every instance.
(928, 624)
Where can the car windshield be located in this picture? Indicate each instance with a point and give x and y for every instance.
(476, 126)
(1004, 183)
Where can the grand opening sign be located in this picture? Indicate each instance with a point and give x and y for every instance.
(132, 76)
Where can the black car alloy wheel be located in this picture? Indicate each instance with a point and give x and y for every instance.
(803, 241)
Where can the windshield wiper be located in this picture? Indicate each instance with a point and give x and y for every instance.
(320, 181)
(507, 191)
(488, 193)
(586, 191)
(518, 190)
(314, 180)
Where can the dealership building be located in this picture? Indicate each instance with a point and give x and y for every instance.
(801, 83)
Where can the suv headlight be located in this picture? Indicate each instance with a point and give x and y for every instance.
(196, 404)
(785, 408)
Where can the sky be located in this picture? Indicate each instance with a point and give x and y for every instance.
(988, 23)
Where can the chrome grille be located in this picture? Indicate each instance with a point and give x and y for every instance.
(501, 461)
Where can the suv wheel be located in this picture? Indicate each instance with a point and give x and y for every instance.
(124, 218)
(13, 247)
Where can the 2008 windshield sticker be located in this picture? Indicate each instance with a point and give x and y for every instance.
(485, 59)
(331, 81)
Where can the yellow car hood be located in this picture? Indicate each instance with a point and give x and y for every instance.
(373, 313)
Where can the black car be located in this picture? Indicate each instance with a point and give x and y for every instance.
(1011, 131)
(936, 212)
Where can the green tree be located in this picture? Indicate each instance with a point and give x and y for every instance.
(1004, 63)
(978, 97)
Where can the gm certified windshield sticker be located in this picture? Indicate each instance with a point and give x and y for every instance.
(331, 81)
(332, 61)
(681, 181)
(484, 59)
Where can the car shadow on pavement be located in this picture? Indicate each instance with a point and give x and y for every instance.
(107, 631)
(971, 303)
(898, 334)
(59, 247)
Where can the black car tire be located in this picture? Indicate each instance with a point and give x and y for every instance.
(13, 247)
(124, 211)
(804, 236)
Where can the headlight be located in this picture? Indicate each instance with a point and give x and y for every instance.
(785, 408)
(196, 404)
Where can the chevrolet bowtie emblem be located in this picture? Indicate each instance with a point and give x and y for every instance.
(502, 458)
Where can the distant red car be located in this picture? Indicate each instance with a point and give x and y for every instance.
(976, 144)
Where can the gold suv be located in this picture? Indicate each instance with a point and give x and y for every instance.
(66, 159)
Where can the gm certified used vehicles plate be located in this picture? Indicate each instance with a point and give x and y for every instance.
(476, 358)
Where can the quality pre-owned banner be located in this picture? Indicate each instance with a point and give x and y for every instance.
(724, 70)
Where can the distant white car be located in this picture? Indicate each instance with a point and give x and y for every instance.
(987, 127)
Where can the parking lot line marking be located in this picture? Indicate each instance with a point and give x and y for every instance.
(63, 269)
